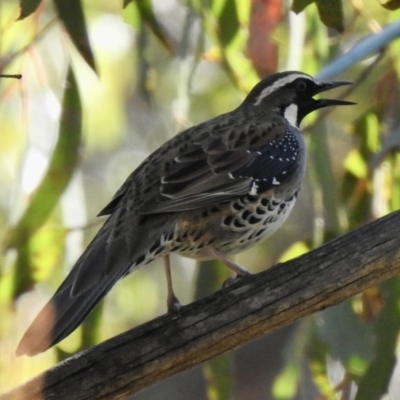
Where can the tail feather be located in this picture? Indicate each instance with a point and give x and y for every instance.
(107, 259)
(87, 283)
(61, 316)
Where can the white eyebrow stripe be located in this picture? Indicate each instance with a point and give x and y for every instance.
(279, 83)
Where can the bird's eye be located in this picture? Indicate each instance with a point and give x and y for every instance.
(301, 86)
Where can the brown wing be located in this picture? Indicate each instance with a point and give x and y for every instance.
(204, 165)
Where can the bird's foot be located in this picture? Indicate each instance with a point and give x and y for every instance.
(230, 281)
(173, 304)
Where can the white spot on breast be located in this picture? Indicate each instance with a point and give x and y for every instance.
(253, 189)
(275, 181)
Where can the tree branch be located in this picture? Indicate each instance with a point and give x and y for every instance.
(225, 320)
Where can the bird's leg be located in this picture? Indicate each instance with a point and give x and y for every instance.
(172, 301)
(236, 268)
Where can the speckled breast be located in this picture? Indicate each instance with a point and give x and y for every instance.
(233, 227)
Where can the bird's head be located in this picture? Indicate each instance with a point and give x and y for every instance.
(291, 94)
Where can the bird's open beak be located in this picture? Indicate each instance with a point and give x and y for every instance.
(324, 86)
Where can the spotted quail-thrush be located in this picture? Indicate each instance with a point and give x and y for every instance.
(214, 189)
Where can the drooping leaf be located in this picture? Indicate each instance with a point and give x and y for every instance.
(146, 13)
(228, 22)
(375, 381)
(46, 247)
(60, 171)
(391, 4)
(217, 373)
(71, 14)
(28, 7)
(331, 13)
(286, 383)
(299, 5)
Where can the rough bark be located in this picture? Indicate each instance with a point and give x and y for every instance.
(225, 320)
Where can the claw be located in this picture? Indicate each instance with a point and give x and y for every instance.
(230, 281)
(173, 304)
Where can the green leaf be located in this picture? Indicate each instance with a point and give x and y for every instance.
(228, 22)
(391, 5)
(61, 168)
(145, 9)
(46, 248)
(218, 377)
(71, 14)
(28, 7)
(299, 5)
(375, 381)
(286, 383)
(331, 13)
(356, 165)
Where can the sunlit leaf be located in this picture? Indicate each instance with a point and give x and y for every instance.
(395, 198)
(217, 374)
(295, 250)
(71, 14)
(356, 365)
(356, 165)
(28, 7)
(61, 168)
(285, 385)
(372, 140)
(331, 13)
(46, 247)
(131, 15)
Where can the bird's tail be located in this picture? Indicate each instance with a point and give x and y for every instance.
(89, 281)
(60, 316)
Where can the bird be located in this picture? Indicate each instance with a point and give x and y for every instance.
(211, 191)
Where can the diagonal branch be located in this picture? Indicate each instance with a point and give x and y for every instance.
(225, 320)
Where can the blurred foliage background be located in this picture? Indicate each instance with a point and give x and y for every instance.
(106, 83)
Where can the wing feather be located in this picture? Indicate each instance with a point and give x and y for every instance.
(207, 164)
